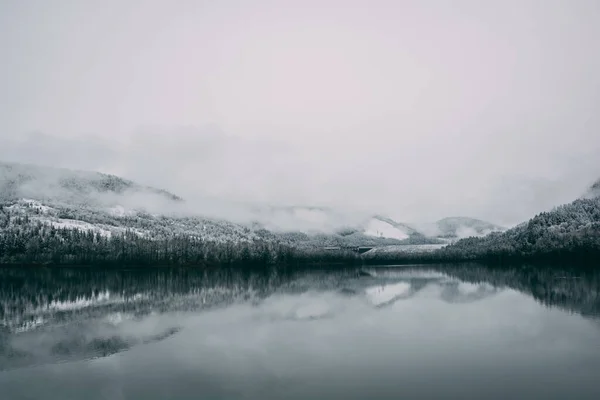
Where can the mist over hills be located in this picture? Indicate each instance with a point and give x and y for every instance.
(459, 227)
(569, 231)
(75, 187)
(593, 191)
(60, 216)
(110, 204)
(37, 202)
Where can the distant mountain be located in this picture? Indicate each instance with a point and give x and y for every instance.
(355, 228)
(568, 233)
(454, 228)
(74, 216)
(68, 186)
(460, 227)
(382, 226)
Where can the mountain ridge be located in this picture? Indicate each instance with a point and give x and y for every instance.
(109, 205)
(120, 197)
(100, 211)
(17, 177)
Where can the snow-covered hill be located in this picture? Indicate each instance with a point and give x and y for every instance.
(352, 228)
(77, 187)
(386, 227)
(378, 228)
(107, 222)
(104, 204)
(107, 205)
(568, 230)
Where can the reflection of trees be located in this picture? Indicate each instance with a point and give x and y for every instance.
(31, 296)
(28, 294)
(573, 289)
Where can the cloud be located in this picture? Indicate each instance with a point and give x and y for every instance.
(83, 152)
(221, 174)
(489, 112)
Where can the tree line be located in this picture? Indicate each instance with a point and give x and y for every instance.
(567, 233)
(32, 242)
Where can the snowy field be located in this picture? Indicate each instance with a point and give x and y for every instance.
(408, 248)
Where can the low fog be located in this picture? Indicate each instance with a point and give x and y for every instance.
(416, 110)
(231, 178)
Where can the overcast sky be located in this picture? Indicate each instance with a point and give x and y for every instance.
(418, 109)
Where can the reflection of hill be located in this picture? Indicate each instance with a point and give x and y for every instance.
(66, 314)
(50, 315)
(451, 290)
(36, 297)
(572, 289)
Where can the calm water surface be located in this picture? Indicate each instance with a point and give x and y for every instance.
(461, 332)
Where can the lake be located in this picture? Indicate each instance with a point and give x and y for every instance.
(414, 332)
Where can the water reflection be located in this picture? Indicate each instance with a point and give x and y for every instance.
(298, 334)
(573, 289)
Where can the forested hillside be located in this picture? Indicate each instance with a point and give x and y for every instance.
(570, 231)
(23, 242)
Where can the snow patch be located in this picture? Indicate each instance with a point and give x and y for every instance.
(383, 229)
(407, 248)
(25, 204)
(80, 225)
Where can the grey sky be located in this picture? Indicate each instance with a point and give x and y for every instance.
(419, 109)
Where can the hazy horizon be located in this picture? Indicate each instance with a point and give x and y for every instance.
(417, 110)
